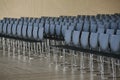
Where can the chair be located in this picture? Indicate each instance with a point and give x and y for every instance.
(84, 40)
(52, 29)
(64, 28)
(1, 25)
(58, 30)
(40, 33)
(93, 28)
(35, 33)
(5, 29)
(71, 27)
(118, 32)
(47, 29)
(94, 41)
(110, 31)
(75, 38)
(14, 30)
(24, 31)
(79, 26)
(19, 30)
(29, 31)
(115, 43)
(9, 29)
(68, 37)
(100, 30)
(86, 27)
(104, 42)
(113, 25)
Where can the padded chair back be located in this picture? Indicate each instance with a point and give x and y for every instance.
(115, 43)
(110, 31)
(9, 29)
(1, 26)
(68, 36)
(24, 31)
(40, 33)
(14, 30)
(64, 28)
(52, 29)
(19, 30)
(101, 30)
(29, 31)
(75, 38)
(35, 32)
(118, 32)
(58, 30)
(84, 40)
(5, 28)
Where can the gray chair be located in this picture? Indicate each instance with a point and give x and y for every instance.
(86, 27)
(104, 42)
(47, 29)
(29, 31)
(19, 30)
(40, 33)
(79, 26)
(110, 31)
(118, 32)
(115, 43)
(58, 30)
(35, 33)
(24, 31)
(93, 28)
(68, 37)
(100, 30)
(94, 41)
(14, 30)
(75, 38)
(64, 28)
(9, 30)
(1, 25)
(84, 40)
(52, 29)
(5, 28)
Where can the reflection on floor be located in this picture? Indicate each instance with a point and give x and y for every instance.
(20, 60)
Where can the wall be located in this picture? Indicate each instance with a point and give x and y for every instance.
(37, 8)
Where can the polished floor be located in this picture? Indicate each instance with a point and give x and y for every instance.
(78, 66)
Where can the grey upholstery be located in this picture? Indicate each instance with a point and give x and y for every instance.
(14, 28)
(84, 40)
(68, 35)
(29, 31)
(101, 30)
(19, 30)
(40, 33)
(94, 40)
(52, 29)
(58, 30)
(75, 38)
(35, 32)
(5, 28)
(118, 32)
(110, 31)
(64, 28)
(104, 42)
(24, 31)
(115, 43)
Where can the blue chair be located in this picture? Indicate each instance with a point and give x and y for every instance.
(47, 29)
(29, 31)
(79, 26)
(64, 28)
(86, 27)
(1, 26)
(40, 33)
(115, 43)
(52, 29)
(84, 40)
(113, 25)
(24, 31)
(118, 32)
(9, 30)
(93, 28)
(19, 30)
(5, 29)
(68, 37)
(104, 42)
(35, 33)
(94, 41)
(75, 38)
(100, 30)
(110, 31)
(58, 30)
(14, 30)
(71, 27)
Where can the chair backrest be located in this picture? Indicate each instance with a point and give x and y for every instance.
(118, 32)
(110, 31)
(29, 31)
(64, 28)
(52, 29)
(100, 30)
(93, 28)
(9, 28)
(115, 43)
(75, 38)
(86, 27)
(19, 30)
(40, 33)
(47, 29)
(79, 26)
(58, 30)
(5, 28)
(14, 29)
(104, 42)
(68, 36)
(71, 27)
(113, 25)
(94, 40)
(84, 40)
(24, 31)
(1, 26)
(35, 32)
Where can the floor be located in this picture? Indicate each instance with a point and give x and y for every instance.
(72, 67)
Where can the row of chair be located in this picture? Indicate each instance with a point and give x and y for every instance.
(93, 41)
